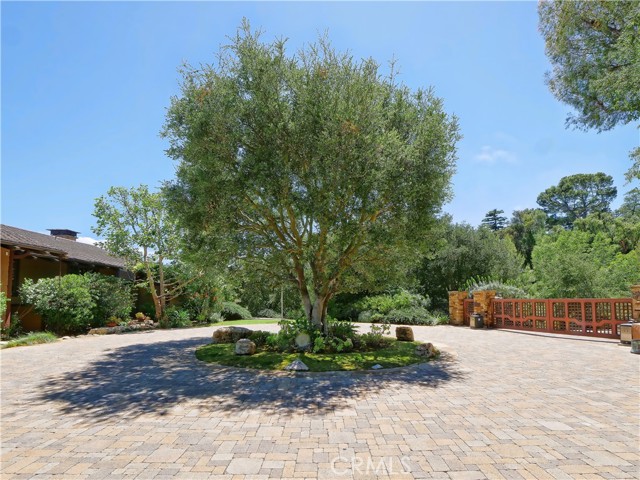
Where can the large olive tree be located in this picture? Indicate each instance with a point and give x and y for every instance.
(313, 166)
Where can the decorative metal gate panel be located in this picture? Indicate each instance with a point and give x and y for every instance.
(596, 317)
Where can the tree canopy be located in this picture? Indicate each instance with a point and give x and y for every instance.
(577, 196)
(136, 226)
(465, 252)
(315, 166)
(594, 48)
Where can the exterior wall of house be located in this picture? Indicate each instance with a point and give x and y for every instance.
(5, 254)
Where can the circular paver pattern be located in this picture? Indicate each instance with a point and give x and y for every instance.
(501, 404)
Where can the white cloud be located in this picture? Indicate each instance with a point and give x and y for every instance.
(491, 156)
(89, 240)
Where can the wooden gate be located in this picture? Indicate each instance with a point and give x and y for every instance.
(596, 317)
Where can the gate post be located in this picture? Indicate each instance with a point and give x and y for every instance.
(635, 302)
(456, 307)
(483, 304)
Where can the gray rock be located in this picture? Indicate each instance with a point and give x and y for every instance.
(230, 334)
(297, 365)
(244, 346)
(303, 340)
(377, 366)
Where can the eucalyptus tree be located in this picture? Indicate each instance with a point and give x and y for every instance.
(313, 166)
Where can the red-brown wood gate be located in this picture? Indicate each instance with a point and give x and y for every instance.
(596, 317)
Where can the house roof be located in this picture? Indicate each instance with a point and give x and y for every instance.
(67, 249)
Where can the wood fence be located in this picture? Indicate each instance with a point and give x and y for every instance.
(595, 317)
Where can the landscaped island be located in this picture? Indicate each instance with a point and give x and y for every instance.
(298, 341)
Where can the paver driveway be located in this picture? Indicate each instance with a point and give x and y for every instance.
(505, 405)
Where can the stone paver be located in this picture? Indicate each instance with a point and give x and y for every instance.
(500, 404)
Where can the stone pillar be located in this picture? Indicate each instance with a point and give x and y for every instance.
(635, 302)
(456, 307)
(483, 305)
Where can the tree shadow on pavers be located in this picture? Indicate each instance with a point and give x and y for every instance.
(155, 378)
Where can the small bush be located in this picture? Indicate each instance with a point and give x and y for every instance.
(14, 329)
(502, 289)
(32, 339)
(268, 313)
(177, 317)
(342, 329)
(233, 311)
(438, 318)
(385, 303)
(113, 297)
(260, 337)
(409, 316)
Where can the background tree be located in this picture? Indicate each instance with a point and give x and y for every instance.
(581, 264)
(577, 196)
(594, 48)
(463, 253)
(494, 220)
(595, 52)
(135, 225)
(314, 166)
(525, 225)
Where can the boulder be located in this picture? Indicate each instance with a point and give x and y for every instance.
(297, 366)
(230, 334)
(404, 334)
(426, 350)
(303, 341)
(244, 346)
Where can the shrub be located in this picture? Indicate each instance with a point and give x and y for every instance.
(13, 330)
(113, 297)
(504, 290)
(65, 303)
(385, 303)
(3, 303)
(332, 345)
(177, 317)
(214, 317)
(341, 329)
(375, 338)
(438, 318)
(74, 303)
(409, 316)
(260, 337)
(268, 313)
(233, 311)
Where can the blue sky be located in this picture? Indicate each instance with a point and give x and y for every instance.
(85, 87)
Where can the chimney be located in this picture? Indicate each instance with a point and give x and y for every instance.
(64, 233)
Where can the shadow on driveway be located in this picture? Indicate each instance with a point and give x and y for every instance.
(153, 378)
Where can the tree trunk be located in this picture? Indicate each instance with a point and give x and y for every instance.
(318, 315)
(163, 299)
(154, 295)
